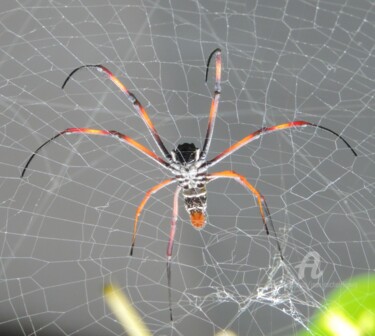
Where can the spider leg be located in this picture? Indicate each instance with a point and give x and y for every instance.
(121, 137)
(151, 191)
(133, 99)
(170, 247)
(215, 101)
(264, 211)
(173, 223)
(266, 130)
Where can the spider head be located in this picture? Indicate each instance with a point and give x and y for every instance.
(186, 153)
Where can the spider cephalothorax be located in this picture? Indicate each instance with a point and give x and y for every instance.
(187, 163)
(186, 153)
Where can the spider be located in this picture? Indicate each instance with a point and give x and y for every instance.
(187, 163)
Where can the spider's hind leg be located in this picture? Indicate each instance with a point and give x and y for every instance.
(264, 211)
(268, 220)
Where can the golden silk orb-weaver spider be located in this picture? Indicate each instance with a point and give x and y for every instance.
(187, 163)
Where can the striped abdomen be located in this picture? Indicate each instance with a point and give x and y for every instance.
(196, 203)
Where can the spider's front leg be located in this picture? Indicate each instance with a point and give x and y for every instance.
(266, 130)
(215, 101)
(133, 99)
(90, 131)
(264, 211)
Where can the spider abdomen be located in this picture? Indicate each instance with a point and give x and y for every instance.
(196, 203)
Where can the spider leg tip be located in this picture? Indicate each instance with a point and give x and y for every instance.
(24, 171)
(266, 228)
(170, 314)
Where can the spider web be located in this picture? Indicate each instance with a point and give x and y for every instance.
(66, 227)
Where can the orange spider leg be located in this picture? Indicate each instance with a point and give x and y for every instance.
(133, 99)
(143, 203)
(170, 247)
(215, 101)
(173, 222)
(120, 136)
(264, 211)
(266, 130)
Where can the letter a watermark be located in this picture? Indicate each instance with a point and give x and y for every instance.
(314, 265)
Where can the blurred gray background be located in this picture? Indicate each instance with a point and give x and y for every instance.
(66, 227)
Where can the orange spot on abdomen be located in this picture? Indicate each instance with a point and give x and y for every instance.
(198, 219)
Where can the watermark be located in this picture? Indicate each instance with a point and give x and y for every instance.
(310, 261)
(310, 268)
